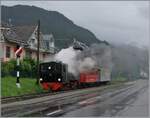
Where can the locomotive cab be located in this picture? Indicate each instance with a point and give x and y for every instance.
(53, 75)
(53, 72)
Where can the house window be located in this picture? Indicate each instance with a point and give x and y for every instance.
(7, 52)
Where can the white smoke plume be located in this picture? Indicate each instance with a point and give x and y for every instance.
(98, 55)
(68, 56)
(86, 64)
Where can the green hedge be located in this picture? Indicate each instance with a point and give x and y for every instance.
(28, 68)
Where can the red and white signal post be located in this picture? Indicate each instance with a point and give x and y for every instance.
(18, 52)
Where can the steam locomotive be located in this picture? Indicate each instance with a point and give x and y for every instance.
(55, 76)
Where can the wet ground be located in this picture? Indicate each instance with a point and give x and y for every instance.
(129, 101)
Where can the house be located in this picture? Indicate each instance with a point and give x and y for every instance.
(25, 36)
(49, 42)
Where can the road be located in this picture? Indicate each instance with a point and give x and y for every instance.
(127, 99)
(132, 102)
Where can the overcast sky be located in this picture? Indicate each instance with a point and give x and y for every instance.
(113, 21)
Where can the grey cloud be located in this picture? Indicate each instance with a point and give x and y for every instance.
(114, 21)
(144, 11)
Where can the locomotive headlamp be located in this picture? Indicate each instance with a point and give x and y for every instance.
(59, 79)
(41, 79)
(49, 67)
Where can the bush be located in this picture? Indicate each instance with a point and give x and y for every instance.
(27, 68)
(8, 68)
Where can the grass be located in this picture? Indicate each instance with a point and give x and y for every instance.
(28, 86)
(118, 80)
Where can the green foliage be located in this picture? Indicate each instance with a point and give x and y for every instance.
(27, 68)
(8, 68)
(28, 86)
(119, 80)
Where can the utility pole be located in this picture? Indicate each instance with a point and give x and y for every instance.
(38, 48)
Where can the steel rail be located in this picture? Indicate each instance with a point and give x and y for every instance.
(35, 106)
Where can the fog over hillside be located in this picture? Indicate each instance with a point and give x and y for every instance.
(129, 61)
(114, 21)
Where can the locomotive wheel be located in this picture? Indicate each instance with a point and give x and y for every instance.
(73, 84)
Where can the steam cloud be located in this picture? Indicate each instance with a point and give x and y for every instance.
(98, 55)
(68, 56)
(86, 64)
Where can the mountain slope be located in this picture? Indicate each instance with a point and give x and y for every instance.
(63, 29)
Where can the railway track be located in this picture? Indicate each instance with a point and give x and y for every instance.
(22, 108)
(5, 100)
(22, 97)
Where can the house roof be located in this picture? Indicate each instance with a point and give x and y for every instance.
(24, 32)
(4, 24)
(22, 35)
(18, 34)
(11, 36)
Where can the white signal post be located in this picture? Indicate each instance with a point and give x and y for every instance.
(18, 53)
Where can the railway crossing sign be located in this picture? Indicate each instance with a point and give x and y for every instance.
(18, 52)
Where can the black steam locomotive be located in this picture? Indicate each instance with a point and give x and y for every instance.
(54, 75)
